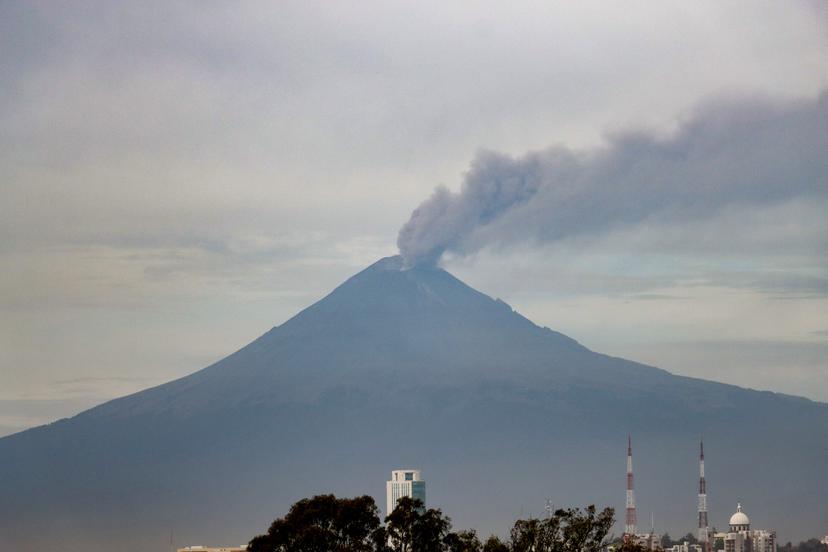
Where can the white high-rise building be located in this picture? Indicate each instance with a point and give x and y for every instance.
(403, 483)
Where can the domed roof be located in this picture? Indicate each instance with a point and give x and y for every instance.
(739, 518)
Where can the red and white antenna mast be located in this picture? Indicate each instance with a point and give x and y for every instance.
(704, 538)
(629, 527)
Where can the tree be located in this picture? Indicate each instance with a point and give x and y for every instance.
(411, 528)
(570, 530)
(810, 545)
(325, 523)
(464, 541)
(430, 531)
(400, 524)
(582, 532)
(494, 544)
(528, 535)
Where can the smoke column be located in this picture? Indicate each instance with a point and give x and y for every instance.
(747, 153)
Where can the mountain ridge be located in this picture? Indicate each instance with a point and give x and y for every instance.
(402, 367)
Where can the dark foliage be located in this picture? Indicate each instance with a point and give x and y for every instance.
(464, 541)
(412, 528)
(325, 523)
(494, 544)
(810, 545)
(328, 524)
(571, 530)
(667, 541)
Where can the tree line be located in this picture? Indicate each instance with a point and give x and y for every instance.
(810, 545)
(325, 523)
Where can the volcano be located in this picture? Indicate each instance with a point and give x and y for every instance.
(411, 367)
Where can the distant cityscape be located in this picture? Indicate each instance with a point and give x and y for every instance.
(739, 537)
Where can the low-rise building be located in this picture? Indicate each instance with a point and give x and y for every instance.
(684, 547)
(648, 541)
(741, 538)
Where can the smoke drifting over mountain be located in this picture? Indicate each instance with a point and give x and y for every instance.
(727, 153)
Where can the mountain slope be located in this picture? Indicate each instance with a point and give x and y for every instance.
(407, 367)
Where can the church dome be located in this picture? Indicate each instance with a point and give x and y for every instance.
(739, 519)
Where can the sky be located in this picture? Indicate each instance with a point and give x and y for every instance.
(177, 178)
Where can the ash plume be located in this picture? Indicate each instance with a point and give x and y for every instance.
(727, 153)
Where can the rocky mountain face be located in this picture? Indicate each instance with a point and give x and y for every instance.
(408, 368)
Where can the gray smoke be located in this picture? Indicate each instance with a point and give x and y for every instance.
(755, 152)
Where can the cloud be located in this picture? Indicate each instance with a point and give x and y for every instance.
(733, 153)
